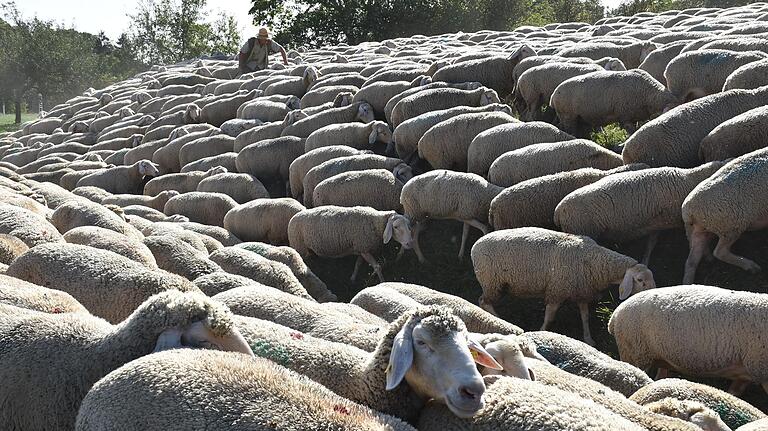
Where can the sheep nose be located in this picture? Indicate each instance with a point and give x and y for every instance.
(471, 392)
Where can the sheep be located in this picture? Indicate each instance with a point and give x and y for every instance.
(155, 202)
(302, 164)
(671, 140)
(226, 160)
(352, 79)
(168, 156)
(93, 194)
(240, 187)
(31, 228)
(82, 212)
(725, 314)
(689, 411)
(271, 273)
(205, 147)
(268, 110)
(30, 296)
(708, 211)
(493, 72)
(407, 135)
(177, 257)
(614, 97)
(263, 220)
(740, 135)
(203, 207)
(379, 93)
(218, 234)
(440, 98)
(446, 144)
(220, 110)
(595, 269)
(749, 76)
(270, 159)
(356, 135)
(297, 86)
(442, 194)
(291, 258)
(319, 96)
(364, 231)
(121, 179)
(698, 73)
(267, 131)
(220, 281)
(11, 248)
(533, 202)
(488, 145)
(297, 401)
(107, 239)
(340, 165)
(549, 158)
(150, 214)
(360, 111)
(757, 425)
(54, 349)
(182, 182)
(632, 55)
(376, 188)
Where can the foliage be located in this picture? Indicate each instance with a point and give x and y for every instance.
(169, 31)
(301, 22)
(632, 7)
(609, 136)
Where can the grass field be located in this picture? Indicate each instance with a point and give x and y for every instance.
(6, 121)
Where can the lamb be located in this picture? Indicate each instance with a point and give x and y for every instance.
(121, 179)
(291, 258)
(717, 347)
(442, 194)
(365, 229)
(533, 202)
(240, 187)
(360, 111)
(698, 73)
(440, 98)
(268, 110)
(260, 269)
(182, 183)
(30, 296)
(595, 269)
(107, 239)
(82, 212)
(536, 160)
(494, 72)
(356, 135)
(749, 76)
(53, 348)
(376, 188)
(109, 285)
(258, 382)
(671, 140)
(735, 137)
(614, 97)
(488, 145)
(31, 228)
(262, 220)
(445, 145)
(709, 211)
(177, 257)
(270, 159)
(202, 207)
(155, 202)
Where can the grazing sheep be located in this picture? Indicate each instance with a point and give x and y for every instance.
(698, 73)
(185, 377)
(535, 160)
(264, 220)
(594, 269)
(443, 194)
(376, 188)
(394, 100)
(340, 165)
(356, 135)
(220, 110)
(202, 207)
(215, 234)
(240, 187)
(31, 228)
(156, 202)
(749, 76)
(174, 255)
(360, 111)
(110, 240)
(107, 284)
(82, 212)
(168, 156)
(150, 214)
(735, 137)
(270, 159)
(709, 211)
(673, 138)
(267, 131)
(21, 294)
(365, 229)
(440, 98)
(601, 98)
(182, 182)
(220, 281)
(121, 179)
(656, 62)
(42, 369)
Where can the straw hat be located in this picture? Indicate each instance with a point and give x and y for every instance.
(263, 33)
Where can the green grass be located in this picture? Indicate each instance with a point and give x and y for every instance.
(609, 136)
(7, 121)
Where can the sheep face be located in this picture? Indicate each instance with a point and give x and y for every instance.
(380, 132)
(125, 112)
(615, 65)
(403, 173)
(437, 358)
(105, 99)
(215, 171)
(78, 127)
(136, 140)
(199, 335)
(636, 279)
(145, 121)
(148, 169)
(192, 114)
(489, 97)
(510, 356)
(293, 103)
(399, 227)
(646, 51)
(365, 113)
(520, 53)
(293, 117)
(343, 99)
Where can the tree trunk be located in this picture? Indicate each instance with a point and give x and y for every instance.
(17, 105)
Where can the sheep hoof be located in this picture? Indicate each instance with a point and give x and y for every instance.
(753, 268)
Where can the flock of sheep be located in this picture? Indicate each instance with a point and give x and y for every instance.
(153, 235)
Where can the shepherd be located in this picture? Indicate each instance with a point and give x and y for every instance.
(254, 54)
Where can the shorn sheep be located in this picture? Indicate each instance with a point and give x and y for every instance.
(582, 270)
(365, 230)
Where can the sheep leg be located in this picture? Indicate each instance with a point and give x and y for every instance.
(487, 304)
(549, 314)
(662, 373)
(724, 253)
(584, 311)
(376, 267)
(464, 235)
(698, 243)
(358, 262)
(416, 247)
(653, 239)
(738, 387)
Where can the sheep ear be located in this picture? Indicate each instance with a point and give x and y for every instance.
(625, 288)
(168, 339)
(388, 230)
(532, 374)
(401, 358)
(373, 136)
(516, 54)
(481, 356)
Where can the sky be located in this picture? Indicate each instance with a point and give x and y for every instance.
(110, 16)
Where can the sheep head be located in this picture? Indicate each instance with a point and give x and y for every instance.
(192, 114)
(636, 279)
(524, 51)
(105, 99)
(125, 112)
(399, 227)
(310, 76)
(145, 120)
(136, 140)
(176, 218)
(215, 171)
(78, 127)
(293, 102)
(615, 65)
(148, 169)
(365, 112)
(294, 116)
(380, 132)
(343, 99)
(489, 97)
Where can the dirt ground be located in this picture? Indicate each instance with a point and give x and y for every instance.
(444, 272)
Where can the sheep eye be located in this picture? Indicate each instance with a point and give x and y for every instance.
(420, 343)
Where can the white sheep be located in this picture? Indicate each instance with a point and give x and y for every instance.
(22, 294)
(203, 207)
(124, 200)
(181, 182)
(121, 179)
(240, 187)
(356, 135)
(360, 111)
(735, 137)
(263, 220)
(107, 239)
(440, 98)
(375, 188)
(302, 164)
(269, 160)
(698, 73)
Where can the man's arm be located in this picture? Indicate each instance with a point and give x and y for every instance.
(285, 57)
